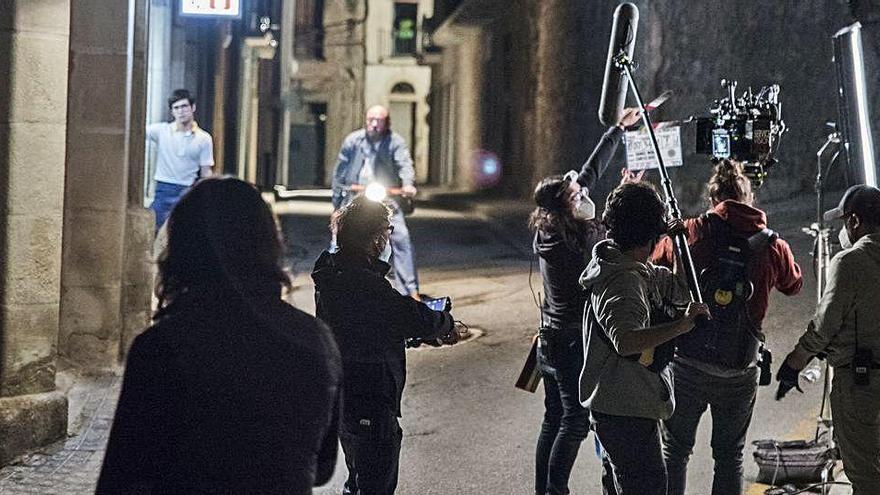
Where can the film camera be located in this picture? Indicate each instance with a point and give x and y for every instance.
(747, 128)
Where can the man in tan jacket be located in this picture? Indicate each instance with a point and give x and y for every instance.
(846, 327)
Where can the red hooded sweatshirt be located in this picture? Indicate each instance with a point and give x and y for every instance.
(774, 267)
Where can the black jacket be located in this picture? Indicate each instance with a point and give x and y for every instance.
(217, 400)
(370, 321)
(561, 265)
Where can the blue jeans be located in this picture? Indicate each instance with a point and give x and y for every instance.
(167, 195)
(566, 423)
(402, 255)
(730, 401)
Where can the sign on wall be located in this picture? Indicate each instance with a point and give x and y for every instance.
(211, 8)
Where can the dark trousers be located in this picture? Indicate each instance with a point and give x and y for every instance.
(730, 401)
(632, 454)
(566, 423)
(372, 454)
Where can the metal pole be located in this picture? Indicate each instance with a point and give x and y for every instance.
(679, 240)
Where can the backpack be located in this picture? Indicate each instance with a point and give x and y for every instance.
(730, 339)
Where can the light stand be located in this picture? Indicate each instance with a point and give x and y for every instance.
(822, 257)
(624, 63)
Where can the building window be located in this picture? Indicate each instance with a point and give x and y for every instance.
(308, 36)
(404, 32)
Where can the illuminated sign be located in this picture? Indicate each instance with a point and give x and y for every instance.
(211, 8)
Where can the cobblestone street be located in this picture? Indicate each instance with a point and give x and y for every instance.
(70, 467)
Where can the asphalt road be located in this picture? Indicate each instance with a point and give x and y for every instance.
(467, 430)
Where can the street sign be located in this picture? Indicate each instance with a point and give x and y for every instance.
(226, 9)
(640, 151)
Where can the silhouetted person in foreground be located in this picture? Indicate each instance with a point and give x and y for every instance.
(232, 390)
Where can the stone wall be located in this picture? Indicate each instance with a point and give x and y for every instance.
(547, 61)
(338, 80)
(688, 47)
(105, 286)
(34, 38)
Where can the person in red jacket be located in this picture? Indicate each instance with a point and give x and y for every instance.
(715, 366)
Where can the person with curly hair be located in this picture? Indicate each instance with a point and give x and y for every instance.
(565, 232)
(626, 397)
(371, 321)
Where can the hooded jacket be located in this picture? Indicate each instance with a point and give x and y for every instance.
(774, 267)
(370, 321)
(622, 293)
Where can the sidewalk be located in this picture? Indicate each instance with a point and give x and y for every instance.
(71, 466)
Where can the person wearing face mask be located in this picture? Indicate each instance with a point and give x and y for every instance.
(715, 365)
(370, 321)
(565, 232)
(846, 328)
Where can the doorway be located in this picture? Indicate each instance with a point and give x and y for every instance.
(308, 143)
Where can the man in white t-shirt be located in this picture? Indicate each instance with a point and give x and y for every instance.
(184, 153)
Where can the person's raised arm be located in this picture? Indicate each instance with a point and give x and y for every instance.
(598, 161)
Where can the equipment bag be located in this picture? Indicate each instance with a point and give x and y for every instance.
(730, 338)
(794, 461)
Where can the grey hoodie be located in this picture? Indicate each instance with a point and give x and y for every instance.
(622, 294)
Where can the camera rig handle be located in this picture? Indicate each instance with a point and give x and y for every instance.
(679, 240)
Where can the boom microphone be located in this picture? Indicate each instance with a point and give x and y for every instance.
(623, 39)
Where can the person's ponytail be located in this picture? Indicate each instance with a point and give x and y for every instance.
(729, 181)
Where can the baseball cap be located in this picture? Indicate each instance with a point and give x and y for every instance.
(861, 199)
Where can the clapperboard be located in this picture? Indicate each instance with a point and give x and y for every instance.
(640, 151)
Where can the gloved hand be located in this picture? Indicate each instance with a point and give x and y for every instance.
(452, 337)
(788, 379)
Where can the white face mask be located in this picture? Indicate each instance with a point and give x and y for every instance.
(843, 237)
(584, 208)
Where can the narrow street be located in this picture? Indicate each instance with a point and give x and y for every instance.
(467, 430)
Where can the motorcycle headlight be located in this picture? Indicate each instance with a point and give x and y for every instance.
(375, 192)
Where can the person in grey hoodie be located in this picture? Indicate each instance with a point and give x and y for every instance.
(627, 400)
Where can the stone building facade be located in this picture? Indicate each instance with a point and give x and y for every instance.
(347, 57)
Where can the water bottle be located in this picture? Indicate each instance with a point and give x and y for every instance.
(812, 373)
